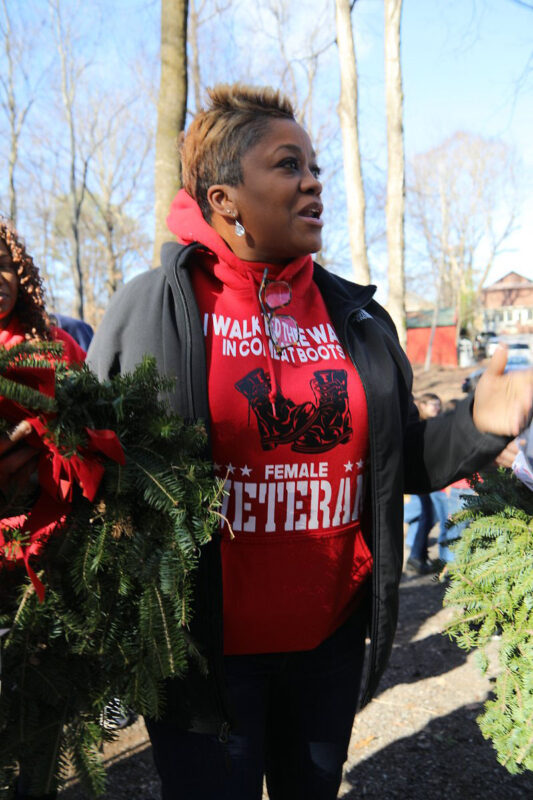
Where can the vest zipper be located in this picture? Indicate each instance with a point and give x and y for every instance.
(221, 711)
(188, 330)
(223, 734)
(375, 549)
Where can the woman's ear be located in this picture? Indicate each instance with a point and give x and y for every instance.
(219, 197)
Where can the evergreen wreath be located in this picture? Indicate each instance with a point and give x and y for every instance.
(491, 591)
(97, 606)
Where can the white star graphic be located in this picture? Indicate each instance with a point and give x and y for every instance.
(230, 468)
(348, 467)
(246, 470)
(216, 466)
(360, 464)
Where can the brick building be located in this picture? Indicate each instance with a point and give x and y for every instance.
(508, 305)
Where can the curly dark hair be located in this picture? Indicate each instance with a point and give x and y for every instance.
(29, 308)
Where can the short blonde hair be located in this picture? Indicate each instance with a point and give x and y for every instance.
(235, 119)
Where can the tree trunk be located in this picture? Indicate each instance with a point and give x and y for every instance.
(114, 272)
(348, 115)
(433, 330)
(13, 157)
(195, 58)
(77, 185)
(395, 206)
(171, 111)
(15, 116)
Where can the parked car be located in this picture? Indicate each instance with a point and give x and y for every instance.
(519, 350)
(514, 348)
(515, 360)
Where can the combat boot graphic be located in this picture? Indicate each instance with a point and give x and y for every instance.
(278, 425)
(333, 424)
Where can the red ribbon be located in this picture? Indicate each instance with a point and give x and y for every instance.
(58, 473)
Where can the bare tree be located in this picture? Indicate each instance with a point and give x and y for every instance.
(84, 177)
(121, 148)
(201, 13)
(16, 95)
(42, 170)
(348, 115)
(463, 205)
(395, 204)
(171, 112)
(293, 63)
(293, 50)
(195, 11)
(71, 71)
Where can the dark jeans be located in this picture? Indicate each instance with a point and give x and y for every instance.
(426, 520)
(294, 719)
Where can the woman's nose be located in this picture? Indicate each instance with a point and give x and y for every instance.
(310, 183)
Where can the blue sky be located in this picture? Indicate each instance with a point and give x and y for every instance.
(467, 65)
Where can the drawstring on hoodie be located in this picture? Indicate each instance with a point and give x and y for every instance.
(273, 393)
(187, 222)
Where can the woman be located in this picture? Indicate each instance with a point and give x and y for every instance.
(23, 317)
(306, 394)
(418, 512)
(22, 311)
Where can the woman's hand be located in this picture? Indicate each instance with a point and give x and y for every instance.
(17, 460)
(503, 402)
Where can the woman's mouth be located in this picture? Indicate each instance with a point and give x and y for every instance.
(312, 213)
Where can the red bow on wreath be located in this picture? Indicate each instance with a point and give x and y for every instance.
(57, 473)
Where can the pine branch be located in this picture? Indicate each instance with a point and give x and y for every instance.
(491, 592)
(119, 577)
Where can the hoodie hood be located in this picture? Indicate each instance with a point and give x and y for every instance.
(186, 221)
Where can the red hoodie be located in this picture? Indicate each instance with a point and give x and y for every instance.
(290, 434)
(13, 334)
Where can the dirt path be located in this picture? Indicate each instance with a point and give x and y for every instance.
(444, 381)
(419, 738)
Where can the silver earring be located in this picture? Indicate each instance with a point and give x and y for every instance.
(239, 229)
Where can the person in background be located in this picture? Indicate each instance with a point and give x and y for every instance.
(80, 330)
(306, 396)
(448, 501)
(429, 405)
(419, 511)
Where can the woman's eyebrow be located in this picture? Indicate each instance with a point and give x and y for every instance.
(294, 148)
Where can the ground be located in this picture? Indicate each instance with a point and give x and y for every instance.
(444, 381)
(418, 739)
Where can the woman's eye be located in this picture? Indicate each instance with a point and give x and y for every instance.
(290, 163)
(294, 164)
